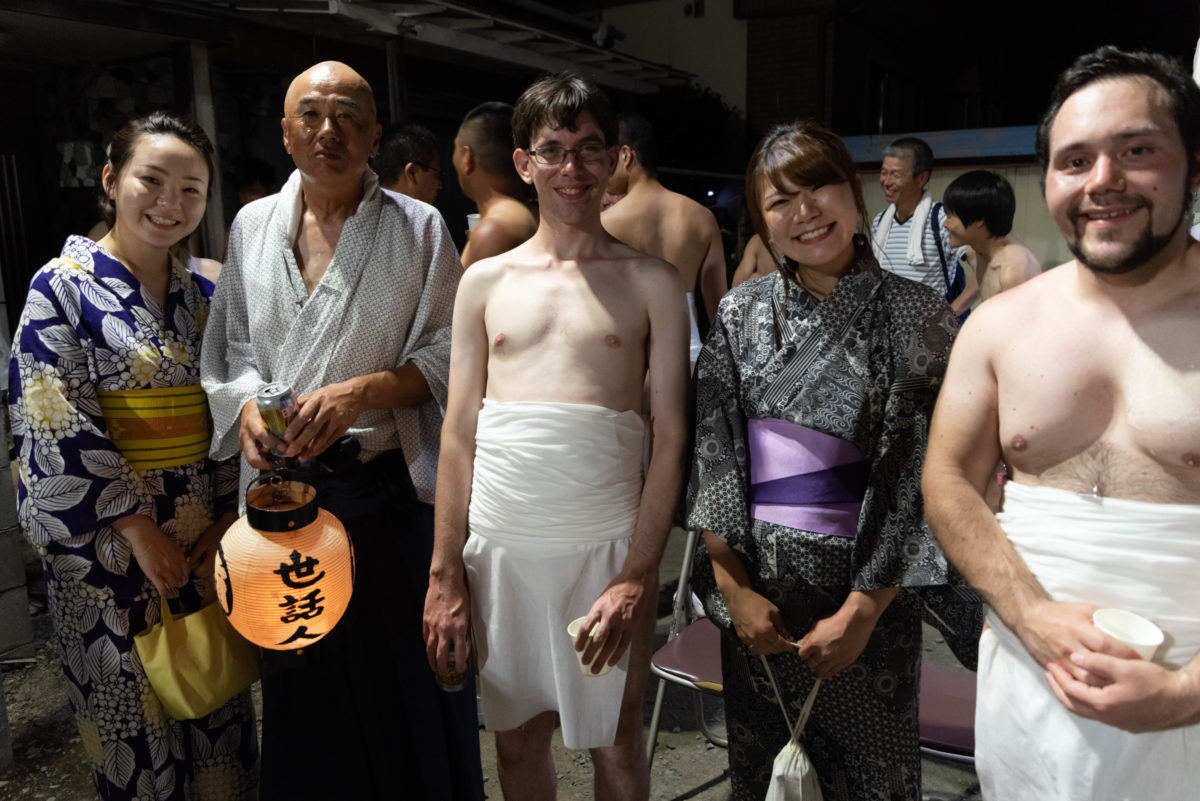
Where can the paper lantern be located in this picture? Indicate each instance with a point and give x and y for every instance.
(285, 569)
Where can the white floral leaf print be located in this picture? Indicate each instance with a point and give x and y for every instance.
(98, 297)
(164, 785)
(71, 566)
(39, 307)
(63, 341)
(103, 463)
(18, 425)
(119, 762)
(158, 751)
(89, 616)
(112, 551)
(74, 694)
(49, 458)
(73, 657)
(230, 741)
(109, 362)
(57, 493)
(145, 782)
(173, 374)
(176, 744)
(223, 714)
(116, 620)
(42, 529)
(115, 500)
(184, 323)
(202, 749)
(143, 315)
(117, 331)
(66, 292)
(120, 287)
(103, 659)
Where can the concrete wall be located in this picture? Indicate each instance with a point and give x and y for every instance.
(1032, 223)
(713, 47)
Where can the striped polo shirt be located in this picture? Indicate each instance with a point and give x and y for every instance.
(895, 251)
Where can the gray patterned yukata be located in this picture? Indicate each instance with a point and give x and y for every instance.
(385, 300)
(862, 366)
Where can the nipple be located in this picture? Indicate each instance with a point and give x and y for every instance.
(499, 340)
(1191, 459)
(1019, 443)
(613, 341)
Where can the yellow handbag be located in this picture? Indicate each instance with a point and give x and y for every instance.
(196, 662)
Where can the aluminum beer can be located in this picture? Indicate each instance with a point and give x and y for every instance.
(276, 404)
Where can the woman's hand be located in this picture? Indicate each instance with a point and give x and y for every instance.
(835, 642)
(757, 622)
(160, 559)
(202, 558)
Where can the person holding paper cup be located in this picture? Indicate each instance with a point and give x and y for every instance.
(1084, 380)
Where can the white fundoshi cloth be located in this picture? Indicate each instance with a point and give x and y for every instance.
(916, 234)
(1144, 557)
(695, 346)
(554, 500)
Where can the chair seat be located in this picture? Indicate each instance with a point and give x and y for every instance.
(948, 710)
(693, 657)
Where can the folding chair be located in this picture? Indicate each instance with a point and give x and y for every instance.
(948, 713)
(691, 657)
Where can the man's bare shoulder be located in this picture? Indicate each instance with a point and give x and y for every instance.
(1021, 308)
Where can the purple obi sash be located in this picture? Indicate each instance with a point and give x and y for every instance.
(803, 479)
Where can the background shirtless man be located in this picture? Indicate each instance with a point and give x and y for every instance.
(553, 340)
(979, 213)
(483, 163)
(663, 223)
(1086, 380)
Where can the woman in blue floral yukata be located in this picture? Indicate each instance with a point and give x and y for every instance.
(116, 490)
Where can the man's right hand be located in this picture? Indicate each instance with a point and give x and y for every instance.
(1053, 630)
(447, 621)
(256, 441)
(758, 622)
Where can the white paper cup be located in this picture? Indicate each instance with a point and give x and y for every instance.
(573, 629)
(472, 221)
(1134, 630)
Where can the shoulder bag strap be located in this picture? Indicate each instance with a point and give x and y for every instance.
(805, 711)
(937, 240)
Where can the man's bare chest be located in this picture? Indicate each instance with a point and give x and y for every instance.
(1099, 405)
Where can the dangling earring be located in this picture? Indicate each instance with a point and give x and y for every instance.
(859, 240)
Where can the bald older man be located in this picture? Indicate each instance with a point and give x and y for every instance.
(344, 292)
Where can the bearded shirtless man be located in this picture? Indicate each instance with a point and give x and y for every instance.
(1086, 380)
(542, 462)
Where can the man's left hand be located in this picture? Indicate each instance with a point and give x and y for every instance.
(614, 617)
(1135, 695)
(321, 417)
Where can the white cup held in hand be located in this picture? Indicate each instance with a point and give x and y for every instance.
(573, 629)
(472, 221)
(1134, 630)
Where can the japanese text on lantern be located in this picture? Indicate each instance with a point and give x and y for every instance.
(299, 575)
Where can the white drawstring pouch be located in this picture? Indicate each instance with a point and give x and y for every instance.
(793, 777)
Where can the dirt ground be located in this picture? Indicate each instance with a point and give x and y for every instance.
(50, 763)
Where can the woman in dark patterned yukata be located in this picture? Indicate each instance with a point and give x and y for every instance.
(814, 393)
(116, 488)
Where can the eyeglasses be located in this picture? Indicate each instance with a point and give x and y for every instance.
(557, 154)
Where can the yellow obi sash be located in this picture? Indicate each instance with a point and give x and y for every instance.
(159, 426)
